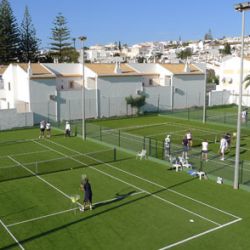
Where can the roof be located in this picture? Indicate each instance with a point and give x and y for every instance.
(38, 70)
(178, 69)
(65, 69)
(2, 69)
(103, 69)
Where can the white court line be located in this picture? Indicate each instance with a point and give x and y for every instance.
(32, 152)
(183, 241)
(12, 236)
(65, 211)
(153, 195)
(43, 180)
(156, 184)
(199, 235)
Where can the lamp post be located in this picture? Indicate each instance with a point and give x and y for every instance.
(82, 39)
(241, 7)
(205, 91)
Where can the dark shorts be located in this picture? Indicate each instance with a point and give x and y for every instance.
(185, 148)
(42, 129)
(204, 151)
(88, 197)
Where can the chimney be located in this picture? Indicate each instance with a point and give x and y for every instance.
(29, 70)
(117, 68)
(187, 67)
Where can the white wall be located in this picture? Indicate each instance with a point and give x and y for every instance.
(112, 93)
(189, 91)
(9, 119)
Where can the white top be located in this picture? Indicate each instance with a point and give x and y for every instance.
(167, 142)
(42, 124)
(67, 126)
(189, 136)
(48, 125)
(204, 146)
(223, 143)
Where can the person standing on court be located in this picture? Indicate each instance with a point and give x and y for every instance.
(48, 129)
(223, 147)
(42, 129)
(167, 144)
(67, 129)
(189, 137)
(204, 150)
(185, 148)
(86, 188)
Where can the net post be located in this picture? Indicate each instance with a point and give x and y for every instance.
(114, 154)
(188, 114)
(144, 142)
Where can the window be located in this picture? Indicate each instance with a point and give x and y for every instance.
(71, 84)
(9, 86)
(150, 82)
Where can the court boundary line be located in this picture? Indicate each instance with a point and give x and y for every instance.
(199, 235)
(194, 236)
(219, 225)
(132, 185)
(12, 235)
(67, 210)
(154, 183)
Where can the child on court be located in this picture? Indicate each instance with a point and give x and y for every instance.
(185, 148)
(204, 150)
(48, 129)
(223, 147)
(67, 129)
(42, 129)
(189, 138)
(167, 144)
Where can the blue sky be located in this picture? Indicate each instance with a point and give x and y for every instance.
(134, 21)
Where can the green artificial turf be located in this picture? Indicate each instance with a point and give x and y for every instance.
(138, 204)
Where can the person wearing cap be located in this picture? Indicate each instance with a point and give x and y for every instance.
(86, 188)
(167, 146)
(67, 129)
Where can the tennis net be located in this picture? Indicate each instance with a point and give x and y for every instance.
(20, 170)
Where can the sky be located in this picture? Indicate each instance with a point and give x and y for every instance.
(134, 21)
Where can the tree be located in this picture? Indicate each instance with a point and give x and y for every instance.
(9, 34)
(137, 101)
(185, 53)
(226, 50)
(28, 41)
(60, 38)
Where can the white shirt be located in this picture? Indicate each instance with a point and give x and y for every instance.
(167, 142)
(67, 127)
(47, 125)
(223, 143)
(189, 136)
(204, 145)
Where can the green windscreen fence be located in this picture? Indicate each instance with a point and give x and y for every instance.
(155, 148)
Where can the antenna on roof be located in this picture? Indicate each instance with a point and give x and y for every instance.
(29, 70)
(118, 69)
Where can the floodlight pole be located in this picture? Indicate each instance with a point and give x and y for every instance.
(82, 39)
(242, 7)
(205, 91)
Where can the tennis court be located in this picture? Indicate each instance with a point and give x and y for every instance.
(137, 204)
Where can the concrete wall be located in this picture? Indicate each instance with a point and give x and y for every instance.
(112, 93)
(219, 98)
(9, 119)
(188, 91)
